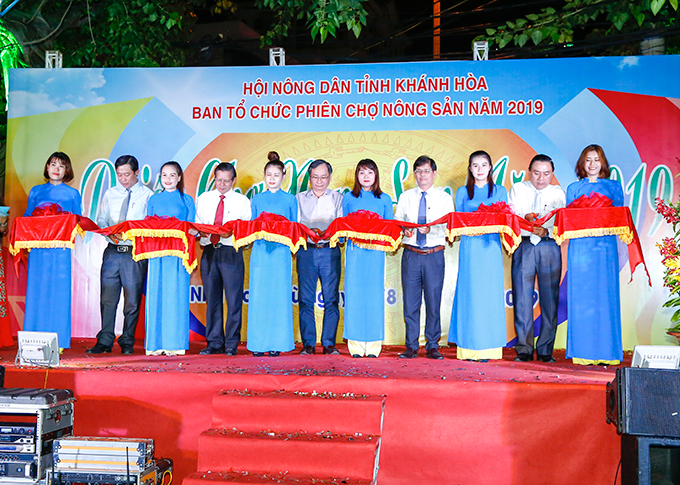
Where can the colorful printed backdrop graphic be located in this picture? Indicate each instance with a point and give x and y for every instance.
(391, 113)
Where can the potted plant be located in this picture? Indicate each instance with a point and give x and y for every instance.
(669, 248)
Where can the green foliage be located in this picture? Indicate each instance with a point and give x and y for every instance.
(322, 17)
(104, 33)
(98, 33)
(135, 33)
(551, 26)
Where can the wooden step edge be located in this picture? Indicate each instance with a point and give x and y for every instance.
(285, 394)
(290, 436)
(233, 476)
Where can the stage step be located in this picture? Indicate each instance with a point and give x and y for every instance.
(205, 478)
(316, 454)
(291, 437)
(293, 411)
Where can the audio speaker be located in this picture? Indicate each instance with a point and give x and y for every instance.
(645, 402)
(649, 461)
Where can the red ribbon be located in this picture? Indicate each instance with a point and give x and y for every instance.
(48, 227)
(158, 236)
(368, 229)
(593, 216)
(270, 227)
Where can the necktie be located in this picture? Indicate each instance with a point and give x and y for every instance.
(219, 215)
(422, 219)
(124, 207)
(538, 209)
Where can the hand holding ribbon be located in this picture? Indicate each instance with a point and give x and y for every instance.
(594, 216)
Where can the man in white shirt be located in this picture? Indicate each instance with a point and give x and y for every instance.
(537, 257)
(125, 201)
(317, 208)
(422, 263)
(222, 268)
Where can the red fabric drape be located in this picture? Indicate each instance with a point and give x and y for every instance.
(155, 237)
(494, 218)
(270, 227)
(594, 216)
(367, 229)
(48, 227)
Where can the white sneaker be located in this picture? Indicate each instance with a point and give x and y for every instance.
(154, 352)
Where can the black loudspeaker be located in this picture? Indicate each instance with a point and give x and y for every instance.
(2, 376)
(645, 402)
(649, 461)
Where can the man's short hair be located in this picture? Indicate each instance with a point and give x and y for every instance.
(127, 160)
(541, 158)
(424, 160)
(225, 167)
(319, 162)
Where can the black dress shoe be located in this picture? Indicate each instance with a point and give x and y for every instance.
(330, 350)
(274, 353)
(372, 356)
(210, 351)
(127, 350)
(98, 349)
(258, 354)
(308, 350)
(545, 358)
(434, 354)
(356, 356)
(524, 357)
(408, 354)
(230, 352)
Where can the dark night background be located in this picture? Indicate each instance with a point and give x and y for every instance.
(397, 31)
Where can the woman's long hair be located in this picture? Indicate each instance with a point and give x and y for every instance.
(470, 184)
(375, 188)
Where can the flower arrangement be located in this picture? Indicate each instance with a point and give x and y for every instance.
(670, 254)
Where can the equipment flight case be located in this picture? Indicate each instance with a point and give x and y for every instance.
(30, 421)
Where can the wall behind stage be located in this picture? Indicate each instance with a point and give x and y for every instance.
(391, 113)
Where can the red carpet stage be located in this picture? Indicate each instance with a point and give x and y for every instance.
(444, 422)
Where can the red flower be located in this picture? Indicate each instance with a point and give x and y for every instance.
(669, 213)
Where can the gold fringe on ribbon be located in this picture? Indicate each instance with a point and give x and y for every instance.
(267, 236)
(77, 231)
(483, 230)
(141, 232)
(70, 244)
(394, 243)
(131, 234)
(166, 252)
(19, 245)
(624, 233)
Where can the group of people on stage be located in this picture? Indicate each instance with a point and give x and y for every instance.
(478, 315)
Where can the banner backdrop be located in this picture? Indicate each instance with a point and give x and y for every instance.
(391, 113)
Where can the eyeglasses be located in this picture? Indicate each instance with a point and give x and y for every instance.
(223, 181)
(317, 178)
(421, 171)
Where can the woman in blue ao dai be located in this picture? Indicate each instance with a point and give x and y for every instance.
(270, 302)
(594, 301)
(478, 316)
(48, 288)
(167, 282)
(364, 326)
